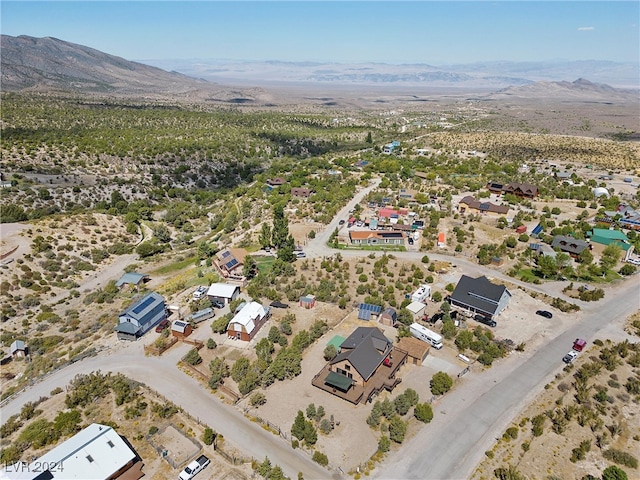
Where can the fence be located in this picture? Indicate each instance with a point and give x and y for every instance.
(155, 350)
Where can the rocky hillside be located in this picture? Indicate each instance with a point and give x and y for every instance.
(49, 64)
(580, 90)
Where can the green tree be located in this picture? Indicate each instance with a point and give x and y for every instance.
(193, 357)
(265, 236)
(297, 429)
(219, 370)
(397, 429)
(610, 257)
(463, 340)
(449, 328)
(330, 352)
(280, 231)
(441, 383)
(240, 369)
(423, 412)
(401, 404)
(585, 257)
(310, 433)
(547, 266)
(384, 444)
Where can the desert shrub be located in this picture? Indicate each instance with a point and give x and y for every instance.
(211, 344)
(508, 473)
(208, 436)
(384, 444)
(320, 458)
(153, 430)
(537, 424)
(614, 473)
(257, 399)
(397, 429)
(330, 352)
(193, 357)
(510, 433)
(325, 426)
(621, 458)
(632, 385)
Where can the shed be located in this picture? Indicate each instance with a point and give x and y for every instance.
(389, 317)
(536, 230)
(521, 229)
(18, 349)
(132, 279)
(308, 301)
(181, 329)
(367, 310)
(416, 308)
(417, 350)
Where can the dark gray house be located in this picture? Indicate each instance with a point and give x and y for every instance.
(140, 317)
(360, 355)
(570, 245)
(479, 295)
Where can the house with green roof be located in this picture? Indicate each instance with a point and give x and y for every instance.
(607, 236)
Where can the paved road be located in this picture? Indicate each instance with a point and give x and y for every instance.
(469, 419)
(161, 374)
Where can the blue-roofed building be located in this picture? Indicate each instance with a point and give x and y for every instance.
(536, 231)
(367, 310)
(141, 316)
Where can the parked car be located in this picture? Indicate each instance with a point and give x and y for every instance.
(162, 325)
(570, 357)
(194, 468)
(544, 313)
(217, 303)
(277, 304)
(634, 261)
(410, 240)
(200, 292)
(487, 321)
(301, 255)
(341, 222)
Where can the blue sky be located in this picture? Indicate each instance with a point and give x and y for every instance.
(361, 31)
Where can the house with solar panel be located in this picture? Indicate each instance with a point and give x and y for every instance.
(230, 262)
(140, 317)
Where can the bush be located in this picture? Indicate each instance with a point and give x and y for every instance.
(211, 344)
(384, 444)
(441, 383)
(423, 412)
(208, 436)
(621, 458)
(397, 429)
(257, 399)
(193, 357)
(614, 473)
(320, 458)
(627, 270)
(153, 430)
(330, 352)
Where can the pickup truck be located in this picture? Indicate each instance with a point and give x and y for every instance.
(194, 468)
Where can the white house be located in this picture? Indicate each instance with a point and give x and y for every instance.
(248, 321)
(224, 292)
(95, 453)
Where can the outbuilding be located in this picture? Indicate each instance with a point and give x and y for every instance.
(417, 350)
(181, 329)
(416, 308)
(223, 292)
(18, 349)
(248, 321)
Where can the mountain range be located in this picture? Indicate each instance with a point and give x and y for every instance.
(49, 64)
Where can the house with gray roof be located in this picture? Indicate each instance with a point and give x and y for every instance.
(141, 316)
(361, 354)
(479, 295)
(132, 279)
(570, 245)
(18, 348)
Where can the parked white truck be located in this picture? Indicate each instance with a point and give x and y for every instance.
(194, 468)
(422, 333)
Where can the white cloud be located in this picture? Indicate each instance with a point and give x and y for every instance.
(585, 29)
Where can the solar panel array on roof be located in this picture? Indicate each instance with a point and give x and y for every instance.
(226, 253)
(178, 323)
(536, 230)
(145, 303)
(367, 309)
(231, 263)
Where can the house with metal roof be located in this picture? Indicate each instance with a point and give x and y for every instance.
(132, 279)
(223, 292)
(141, 316)
(603, 237)
(94, 453)
(18, 348)
(523, 190)
(246, 323)
(479, 295)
